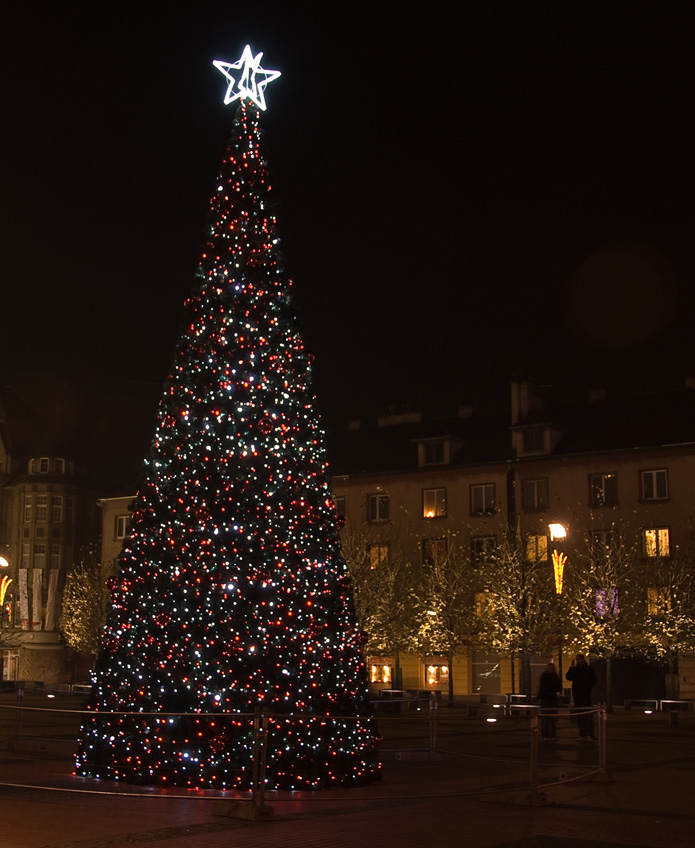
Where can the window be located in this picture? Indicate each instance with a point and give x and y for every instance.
(59, 466)
(484, 604)
(55, 556)
(656, 542)
(122, 525)
(537, 547)
(482, 498)
(433, 550)
(534, 439)
(27, 507)
(44, 465)
(603, 489)
(604, 539)
(535, 495)
(26, 555)
(340, 506)
(57, 508)
(659, 600)
(482, 548)
(433, 453)
(436, 672)
(655, 485)
(606, 602)
(433, 503)
(41, 507)
(485, 672)
(39, 555)
(380, 669)
(378, 555)
(378, 507)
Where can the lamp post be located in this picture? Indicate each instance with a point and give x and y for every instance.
(558, 534)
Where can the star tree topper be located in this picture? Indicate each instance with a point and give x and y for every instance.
(250, 82)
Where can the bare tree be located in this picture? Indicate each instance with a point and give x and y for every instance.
(84, 604)
(669, 610)
(517, 612)
(602, 589)
(384, 593)
(446, 613)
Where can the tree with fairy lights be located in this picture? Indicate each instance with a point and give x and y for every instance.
(232, 592)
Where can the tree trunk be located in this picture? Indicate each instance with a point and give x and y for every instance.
(673, 677)
(526, 673)
(609, 684)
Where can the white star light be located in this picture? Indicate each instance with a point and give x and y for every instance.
(247, 81)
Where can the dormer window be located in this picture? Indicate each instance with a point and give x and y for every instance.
(534, 439)
(44, 465)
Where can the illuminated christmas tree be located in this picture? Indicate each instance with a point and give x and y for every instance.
(232, 592)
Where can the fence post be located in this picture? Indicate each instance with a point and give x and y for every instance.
(534, 797)
(260, 736)
(602, 723)
(433, 722)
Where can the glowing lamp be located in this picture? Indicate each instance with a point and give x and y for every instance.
(557, 531)
(4, 563)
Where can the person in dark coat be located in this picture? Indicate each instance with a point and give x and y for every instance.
(548, 688)
(583, 677)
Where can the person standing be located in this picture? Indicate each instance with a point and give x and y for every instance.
(548, 688)
(583, 678)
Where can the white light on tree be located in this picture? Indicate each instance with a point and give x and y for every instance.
(250, 81)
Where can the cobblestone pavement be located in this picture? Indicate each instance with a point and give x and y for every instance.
(474, 791)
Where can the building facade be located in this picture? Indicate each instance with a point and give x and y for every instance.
(603, 468)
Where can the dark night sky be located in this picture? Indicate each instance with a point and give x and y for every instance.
(468, 190)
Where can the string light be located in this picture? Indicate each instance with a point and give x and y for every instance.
(232, 591)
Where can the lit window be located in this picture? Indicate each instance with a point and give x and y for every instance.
(57, 508)
(433, 503)
(659, 600)
(378, 507)
(655, 485)
(41, 507)
(484, 604)
(656, 542)
(27, 507)
(380, 670)
(603, 489)
(482, 498)
(122, 525)
(378, 555)
(436, 673)
(606, 602)
(433, 550)
(537, 547)
(535, 495)
(482, 548)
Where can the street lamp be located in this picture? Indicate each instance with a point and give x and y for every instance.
(558, 532)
